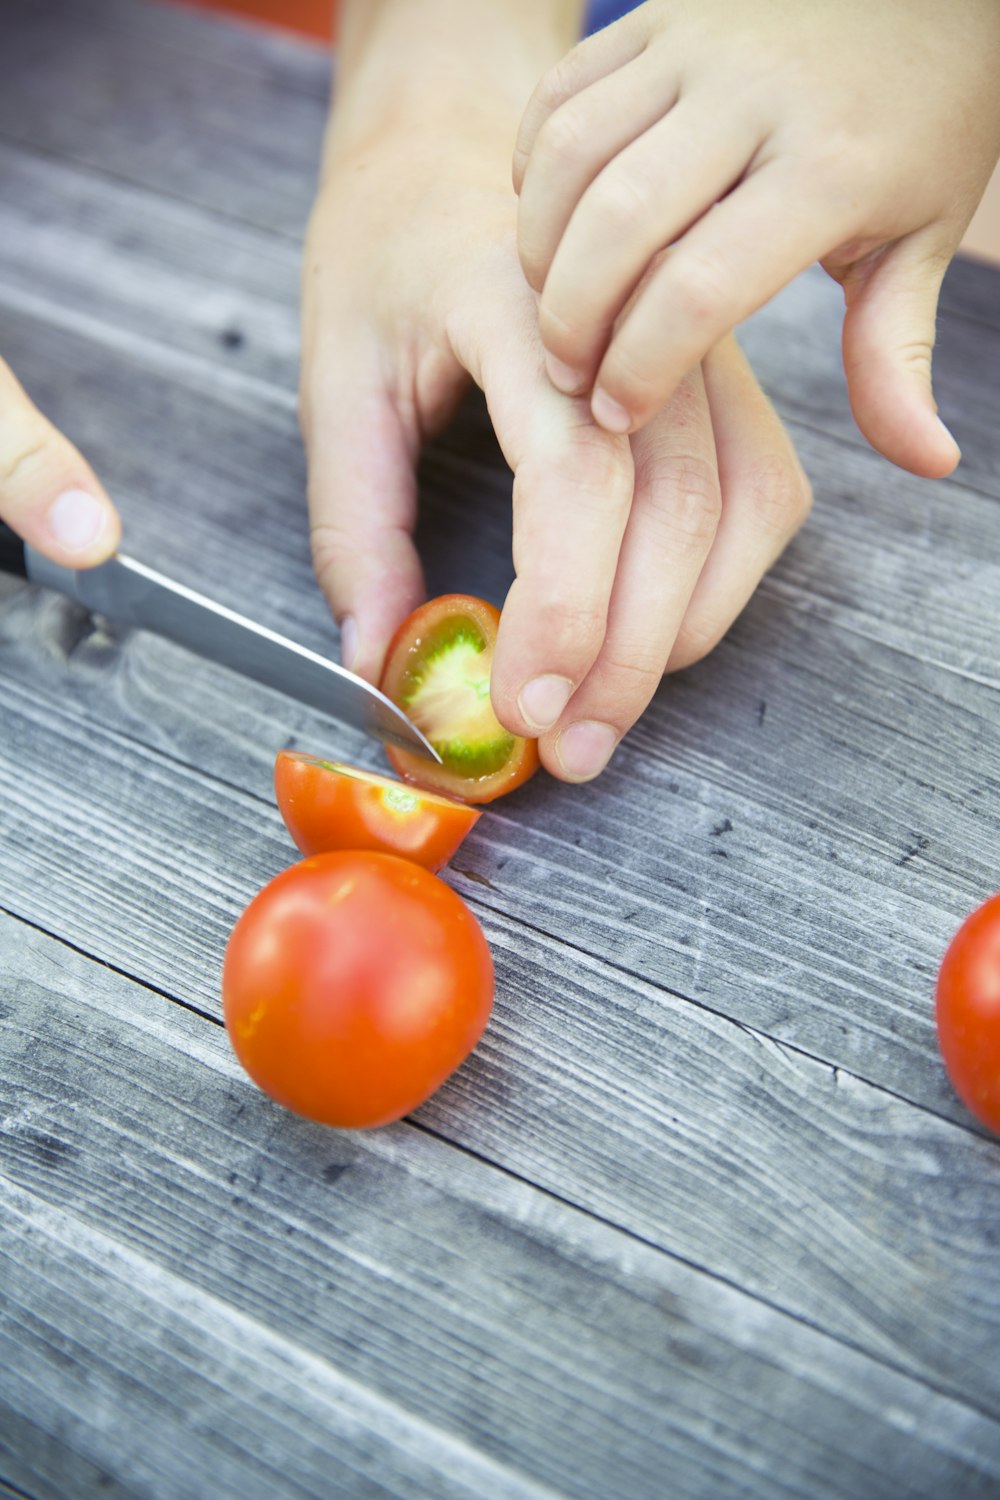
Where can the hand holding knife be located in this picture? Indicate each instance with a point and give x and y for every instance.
(129, 593)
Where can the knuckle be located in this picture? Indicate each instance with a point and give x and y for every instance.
(699, 634)
(330, 546)
(621, 203)
(572, 629)
(779, 494)
(23, 448)
(562, 137)
(562, 337)
(560, 82)
(630, 675)
(689, 504)
(599, 464)
(704, 287)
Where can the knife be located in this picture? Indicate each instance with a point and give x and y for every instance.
(128, 593)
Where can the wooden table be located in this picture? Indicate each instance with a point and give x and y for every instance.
(701, 1217)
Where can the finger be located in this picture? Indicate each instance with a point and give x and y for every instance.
(726, 266)
(575, 143)
(672, 525)
(589, 60)
(362, 500)
(888, 346)
(766, 497)
(647, 197)
(49, 494)
(572, 492)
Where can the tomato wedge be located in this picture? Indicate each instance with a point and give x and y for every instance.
(438, 671)
(329, 806)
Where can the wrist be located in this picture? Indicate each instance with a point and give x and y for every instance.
(453, 65)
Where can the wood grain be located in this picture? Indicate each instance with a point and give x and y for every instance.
(329, 1284)
(804, 1185)
(702, 1209)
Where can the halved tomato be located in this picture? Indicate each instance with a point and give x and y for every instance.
(437, 670)
(328, 806)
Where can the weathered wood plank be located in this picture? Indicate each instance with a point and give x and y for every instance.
(803, 1184)
(154, 267)
(111, 87)
(271, 1292)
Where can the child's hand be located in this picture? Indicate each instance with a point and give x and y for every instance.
(753, 139)
(631, 555)
(49, 494)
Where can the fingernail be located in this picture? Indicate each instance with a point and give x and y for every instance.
(563, 376)
(585, 748)
(608, 414)
(348, 641)
(77, 519)
(543, 699)
(951, 438)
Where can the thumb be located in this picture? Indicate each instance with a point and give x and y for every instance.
(888, 345)
(362, 504)
(49, 494)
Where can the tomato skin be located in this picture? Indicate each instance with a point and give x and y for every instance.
(353, 985)
(326, 806)
(968, 1012)
(518, 758)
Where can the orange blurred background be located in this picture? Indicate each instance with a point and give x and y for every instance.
(313, 17)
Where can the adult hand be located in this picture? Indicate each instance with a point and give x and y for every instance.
(48, 492)
(747, 141)
(631, 555)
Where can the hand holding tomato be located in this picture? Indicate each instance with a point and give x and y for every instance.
(631, 556)
(353, 985)
(968, 1012)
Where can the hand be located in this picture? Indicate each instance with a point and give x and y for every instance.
(48, 492)
(631, 555)
(705, 153)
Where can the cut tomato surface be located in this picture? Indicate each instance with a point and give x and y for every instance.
(327, 806)
(437, 670)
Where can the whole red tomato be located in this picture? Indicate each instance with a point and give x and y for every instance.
(437, 669)
(968, 1012)
(327, 805)
(353, 985)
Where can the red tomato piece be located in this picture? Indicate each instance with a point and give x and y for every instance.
(329, 806)
(968, 1012)
(353, 985)
(437, 670)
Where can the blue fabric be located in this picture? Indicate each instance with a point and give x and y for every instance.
(603, 12)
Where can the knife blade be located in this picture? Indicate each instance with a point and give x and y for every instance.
(127, 592)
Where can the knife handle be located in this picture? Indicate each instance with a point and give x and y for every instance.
(12, 558)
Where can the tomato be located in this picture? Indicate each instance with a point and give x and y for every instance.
(330, 806)
(353, 985)
(968, 1012)
(437, 670)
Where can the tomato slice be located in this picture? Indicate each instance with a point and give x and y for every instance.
(437, 670)
(329, 806)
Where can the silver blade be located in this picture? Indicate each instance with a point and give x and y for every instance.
(129, 593)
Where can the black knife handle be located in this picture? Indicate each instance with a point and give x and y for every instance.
(12, 558)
